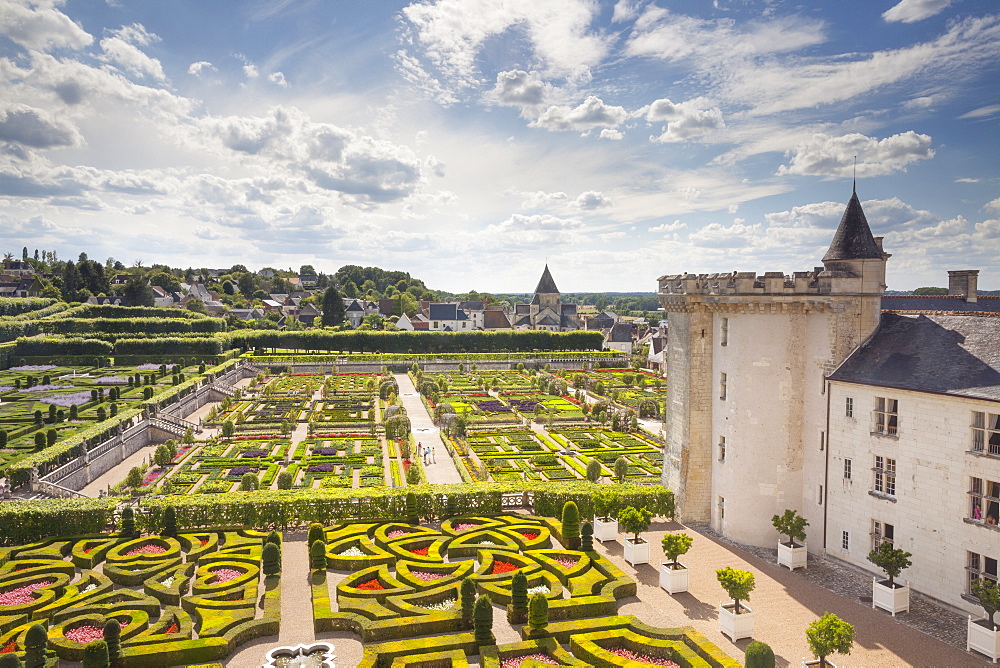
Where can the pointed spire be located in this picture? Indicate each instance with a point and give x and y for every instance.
(546, 285)
(853, 239)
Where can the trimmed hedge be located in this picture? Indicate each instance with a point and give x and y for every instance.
(418, 342)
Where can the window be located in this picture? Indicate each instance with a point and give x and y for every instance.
(722, 385)
(724, 338)
(847, 469)
(979, 566)
(985, 433)
(845, 540)
(722, 508)
(849, 407)
(885, 476)
(886, 416)
(722, 448)
(882, 532)
(984, 501)
(819, 496)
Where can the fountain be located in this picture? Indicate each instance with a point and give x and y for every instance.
(317, 655)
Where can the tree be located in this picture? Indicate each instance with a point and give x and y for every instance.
(162, 456)
(134, 477)
(792, 525)
(988, 593)
(196, 305)
(249, 482)
(738, 584)
(168, 282)
(307, 270)
(228, 428)
(605, 503)
(571, 525)
(467, 593)
(333, 308)
(113, 638)
(483, 621)
(931, 291)
(635, 521)
(170, 521)
(538, 611)
(594, 470)
(676, 544)
(829, 634)
(891, 560)
(137, 293)
(621, 469)
(285, 480)
(518, 612)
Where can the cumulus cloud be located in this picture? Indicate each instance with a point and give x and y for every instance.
(121, 48)
(540, 198)
(38, 25)
(277, 78)
(665, 228)
(250, 71)
(993, 206)
(823, 155)
(625, 10)
(517, 88)
(591, 113)
(591, 200)
(909, 11)
(685, 120)
(201, 67)
(716, 235)
(521, 231)
(612, 134)
(36, 128)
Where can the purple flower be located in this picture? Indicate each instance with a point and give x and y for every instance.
(67, 400)
(253, 453)
(240, 470)
(523, 405)
(110, 380)
(33, 367)
(320, 468)
(38, 388)
(149, 366)
(324, 451)
(4, 388)
(492, 405)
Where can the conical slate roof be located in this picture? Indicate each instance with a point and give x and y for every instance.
(853, 240)
(546, 285)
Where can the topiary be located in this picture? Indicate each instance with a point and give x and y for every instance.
(95, 655)
(468, 596)
(271, 558)
(571, 525)
(758, 655)
(317, 555)
(35, 641)
(170, 521)
(113, 638)
(517, 613)
(737, 583)
(411, 508)
(128, 521)
(587, 537)
(621, 469)
(538, 611)
(483, 622)
(248, 483)
(316, 533)
(10, 660)
(285, 480)
(273, 537)
(594, 470)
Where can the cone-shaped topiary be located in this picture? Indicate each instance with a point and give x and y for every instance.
(273, 537)
(170, 521)
(538, 611)
(35, 641)
(285, 480)
(95, 655)
(594, 470)
(758, 655)
(411, 508)
(128, 521)
(10, 660)
(271, 559)
(317, 555)
(517, 613)
(316, 533)
(571, 525)
(483, 621)
(248, 483)
(113, 638)
(468, 595)
(587, 537)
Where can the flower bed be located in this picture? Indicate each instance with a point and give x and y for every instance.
(643, 658)
(371, 585)
(503, 567)
(225, 574)
(428, 576)
(22, 595)
(515, 662)
(149, 548)
(67, 400)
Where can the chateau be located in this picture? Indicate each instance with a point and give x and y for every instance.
(799, 392)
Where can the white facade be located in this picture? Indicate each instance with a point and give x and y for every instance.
(927, 486)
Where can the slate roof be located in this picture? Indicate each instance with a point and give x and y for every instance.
(946, 354)
(984, 304)
(545, 284)
(620, 333)
(853, 239)
(446, 312)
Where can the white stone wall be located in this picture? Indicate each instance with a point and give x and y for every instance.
(933, 478)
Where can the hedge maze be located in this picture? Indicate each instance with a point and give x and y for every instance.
(179, 601)
(399, 587)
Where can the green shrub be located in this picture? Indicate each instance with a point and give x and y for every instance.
(285, 480)
(271, 559)
(316, 532)
(738, 584)
(170, 521)
(10, 660)
(791, 525)
(988, 593)
(35, 641)
(571, 525)
(228, 429)
(317, 555)
(587, 537)
(411, 508)
(676, 544)
(635, 520)
(95, 655)
(594, 470)
(468, 597)
(829, 634)
(128, 521)
(538, 611)
(758, 655)
(249, 482)
(483, 621)
(113, 638)
(518, 598)
(891, 560)
(273, 537)
(621, 469)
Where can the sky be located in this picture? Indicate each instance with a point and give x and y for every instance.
(469, 142)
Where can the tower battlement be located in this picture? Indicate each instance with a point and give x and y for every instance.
(819, 281)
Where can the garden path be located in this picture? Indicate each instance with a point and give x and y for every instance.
(444, 471)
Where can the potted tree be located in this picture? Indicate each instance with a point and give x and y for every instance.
(605, 504)
(890, 595)
(792, 553)
(735, 620)
(984, 634)
(635, 521)
(674, 574)
(827, 635)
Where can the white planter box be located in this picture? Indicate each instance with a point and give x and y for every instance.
(673, 581)
(733, 625)
(605, 529)
(892, 600)
(636, 553)
(983, 640)
(793, 557)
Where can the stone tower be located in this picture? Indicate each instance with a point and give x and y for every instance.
(747, 360)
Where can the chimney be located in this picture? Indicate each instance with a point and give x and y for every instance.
(964, 282)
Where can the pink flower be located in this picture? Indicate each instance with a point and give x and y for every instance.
(148, 548)
(225, 574)
(643, 658)
(22, 595)
(515, 662)
(427, 576)
(566, 563)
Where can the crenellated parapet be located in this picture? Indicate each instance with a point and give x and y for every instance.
(819, 281)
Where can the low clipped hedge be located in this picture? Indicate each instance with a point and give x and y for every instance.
(384, 654)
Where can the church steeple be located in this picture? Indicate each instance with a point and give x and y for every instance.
(546, 285)
(853, 239)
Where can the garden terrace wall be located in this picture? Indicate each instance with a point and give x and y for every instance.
(418, 342)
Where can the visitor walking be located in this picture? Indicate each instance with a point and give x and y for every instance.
(434, 457)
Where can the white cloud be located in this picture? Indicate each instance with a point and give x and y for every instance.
(40, 26)
(823, 155)
(36, 128)
(278, 79)
(685, 120)
(993, 206)
(967, 180)
(982, 112)
(909, 11)
(540, 199)
(591, 200)
(250, 71)
(200, 67)
(591, 113)
(675, 226)
(525, 232)
(625, 10)
(611, 134)
(414, 73)
(121, 49)
(517, 88)
(716, 235)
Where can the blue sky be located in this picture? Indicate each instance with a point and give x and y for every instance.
(470, 141)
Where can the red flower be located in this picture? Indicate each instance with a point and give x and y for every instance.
(422, 551)
(503, 567)
(529, 536)
(9, 647)
(371, 585)
(173, 628)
